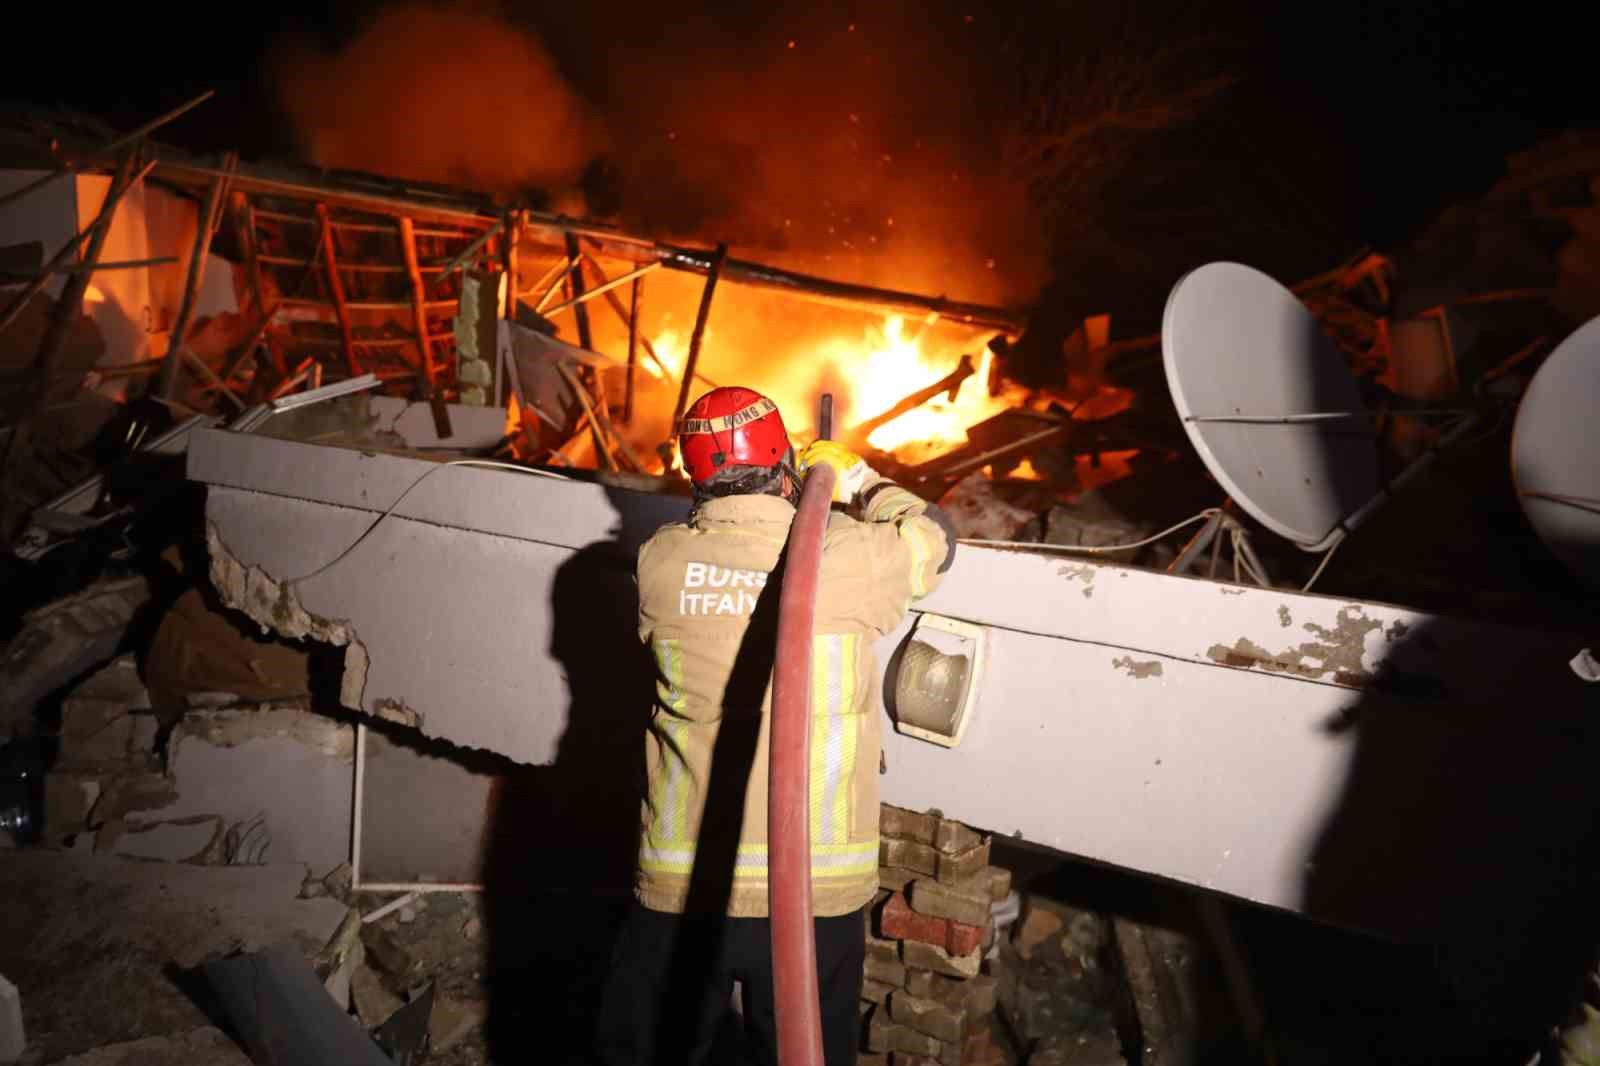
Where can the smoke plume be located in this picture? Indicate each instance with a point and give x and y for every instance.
(443, 93)
(860, 143)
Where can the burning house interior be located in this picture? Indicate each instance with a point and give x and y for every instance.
(1251, 720)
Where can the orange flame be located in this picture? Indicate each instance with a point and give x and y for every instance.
(893, 366)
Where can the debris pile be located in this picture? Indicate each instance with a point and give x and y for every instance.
(926, 998)
(1059, 982)
(218, 782)
(410, 971)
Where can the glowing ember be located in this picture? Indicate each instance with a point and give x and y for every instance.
(1026, 472)
(1114, 466)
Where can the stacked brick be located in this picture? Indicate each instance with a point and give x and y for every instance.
(926, 999)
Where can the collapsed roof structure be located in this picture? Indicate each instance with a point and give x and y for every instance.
(337, 357)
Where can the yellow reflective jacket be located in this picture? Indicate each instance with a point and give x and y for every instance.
(709, 617)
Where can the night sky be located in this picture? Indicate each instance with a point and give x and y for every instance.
(1401, 107)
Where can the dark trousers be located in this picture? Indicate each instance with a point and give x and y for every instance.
(672, 977)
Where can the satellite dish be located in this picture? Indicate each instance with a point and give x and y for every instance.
(1555, 451)
(1269, 403)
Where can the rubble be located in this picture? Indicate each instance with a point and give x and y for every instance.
(13, 1037)
(206, 1046)
(453, 1019)
(61, 641)
(99, 972)
(284, 765)
(374, 1003)
(1057, 988)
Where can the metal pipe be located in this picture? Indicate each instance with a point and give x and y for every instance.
(796, 1002)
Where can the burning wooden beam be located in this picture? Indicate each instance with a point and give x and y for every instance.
(240, 354)
(628, 319)
(585, 336)
(206, 228)
(336, 290)
(950, 383)
(582, 295)
(1031, 432)
(713, 274)
(635, 296)
(419, 306)
(474, 213)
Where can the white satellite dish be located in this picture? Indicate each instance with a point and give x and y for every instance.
(1269, 403)
(1555, 451)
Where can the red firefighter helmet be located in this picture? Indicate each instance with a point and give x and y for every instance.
(731, 427)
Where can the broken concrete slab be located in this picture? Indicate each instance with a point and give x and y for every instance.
(62, 640)
(128, 793)
(206, 1046)
(259, 548)
(13, 1037)
(283, 512)
(97, 972)
(96, 732)
(374, 1002)
(117, 682)
(444, 840)
(453, 1019)
(288, 767)
(69, 796)
(195, 839)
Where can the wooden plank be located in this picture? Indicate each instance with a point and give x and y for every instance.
(635, 298)
(408, 246)
(244, 228)
(513, 265)
(111, 149)
(585, 335)
(371, 268)
(330, 262)
(204, 231)
(583, 295)
(696, 338)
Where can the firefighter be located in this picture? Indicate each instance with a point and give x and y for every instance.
(707, 609)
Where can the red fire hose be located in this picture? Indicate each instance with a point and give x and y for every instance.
(794, 950)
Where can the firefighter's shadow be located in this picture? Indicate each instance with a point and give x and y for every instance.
(1469, 824)
(558, 866)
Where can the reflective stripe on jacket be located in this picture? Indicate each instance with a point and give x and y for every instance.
(709, 616)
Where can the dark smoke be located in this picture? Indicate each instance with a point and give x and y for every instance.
(444, 93)
(859, 144)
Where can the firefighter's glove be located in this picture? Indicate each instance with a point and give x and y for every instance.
(851, 472)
